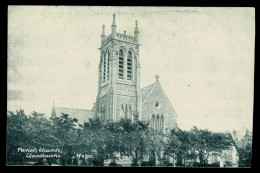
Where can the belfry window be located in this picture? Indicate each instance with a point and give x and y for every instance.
(104, 68)
(129, 66)
(121, 65)
(108, 66)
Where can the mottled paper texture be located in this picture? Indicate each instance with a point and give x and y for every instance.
(189, 67)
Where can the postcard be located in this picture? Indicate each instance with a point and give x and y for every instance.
(123, 86)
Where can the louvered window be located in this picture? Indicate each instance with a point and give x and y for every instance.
(104, 68)
(129, 66)
(108, 66)
(121, 65)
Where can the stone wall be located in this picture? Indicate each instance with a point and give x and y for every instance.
(164, 108)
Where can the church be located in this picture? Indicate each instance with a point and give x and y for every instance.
(119, 93)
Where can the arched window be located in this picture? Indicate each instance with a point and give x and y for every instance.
(108, 58)
(157, 124)
(129, 66)
(121, 65)
(162, 120)
(101, 66)
(122, 110)
(101, 112)
(130, 113)
(126, 112)
(153, 122)
(104, 113)
(162, 123)
(104, 68)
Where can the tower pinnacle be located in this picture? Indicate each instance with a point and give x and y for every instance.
(136, 32)
(136, 26)
(114, 20)
(113, 26)
(103, 31)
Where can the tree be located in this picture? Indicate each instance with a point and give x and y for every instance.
(101, 139)
(27, 132)
(66, 135)
(245, 155)
(156, 144)
(205, 142)
(16, 136)
(180, 143)
(39, 128)
(133, 139)
(186, 144)
(114, 142)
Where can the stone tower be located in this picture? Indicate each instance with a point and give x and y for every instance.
(119, 75)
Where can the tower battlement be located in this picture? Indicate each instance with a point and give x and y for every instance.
(125, 37)
(119, 36)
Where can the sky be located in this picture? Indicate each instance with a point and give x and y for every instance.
(204, 57)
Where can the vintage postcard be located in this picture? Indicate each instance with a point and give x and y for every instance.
(130, 86)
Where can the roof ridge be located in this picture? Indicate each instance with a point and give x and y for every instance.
(148, 85)
(73, 108)
(153, 85)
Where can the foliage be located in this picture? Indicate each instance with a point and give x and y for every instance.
(148, 163)
(105, 140)
(133, 138)
(186, 144)
(66, 135)
(217, 164)
(157, 142)
(16, 136)
(180, 143)
(114, 164)
(95, 137)
(205, 141)
(33, 131)
(245, 155)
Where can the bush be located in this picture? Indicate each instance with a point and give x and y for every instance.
(195, 164)
(166, 163)
(217, 164)
(149, 163)
(39, 162)
(94, 162)
(228, 164)
(134, 164)
(89, 161)
(113, 164)
(98, 162)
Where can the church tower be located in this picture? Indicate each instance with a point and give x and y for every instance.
(119, 75)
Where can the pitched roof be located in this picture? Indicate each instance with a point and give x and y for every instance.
(146, 90)
(81, 114)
